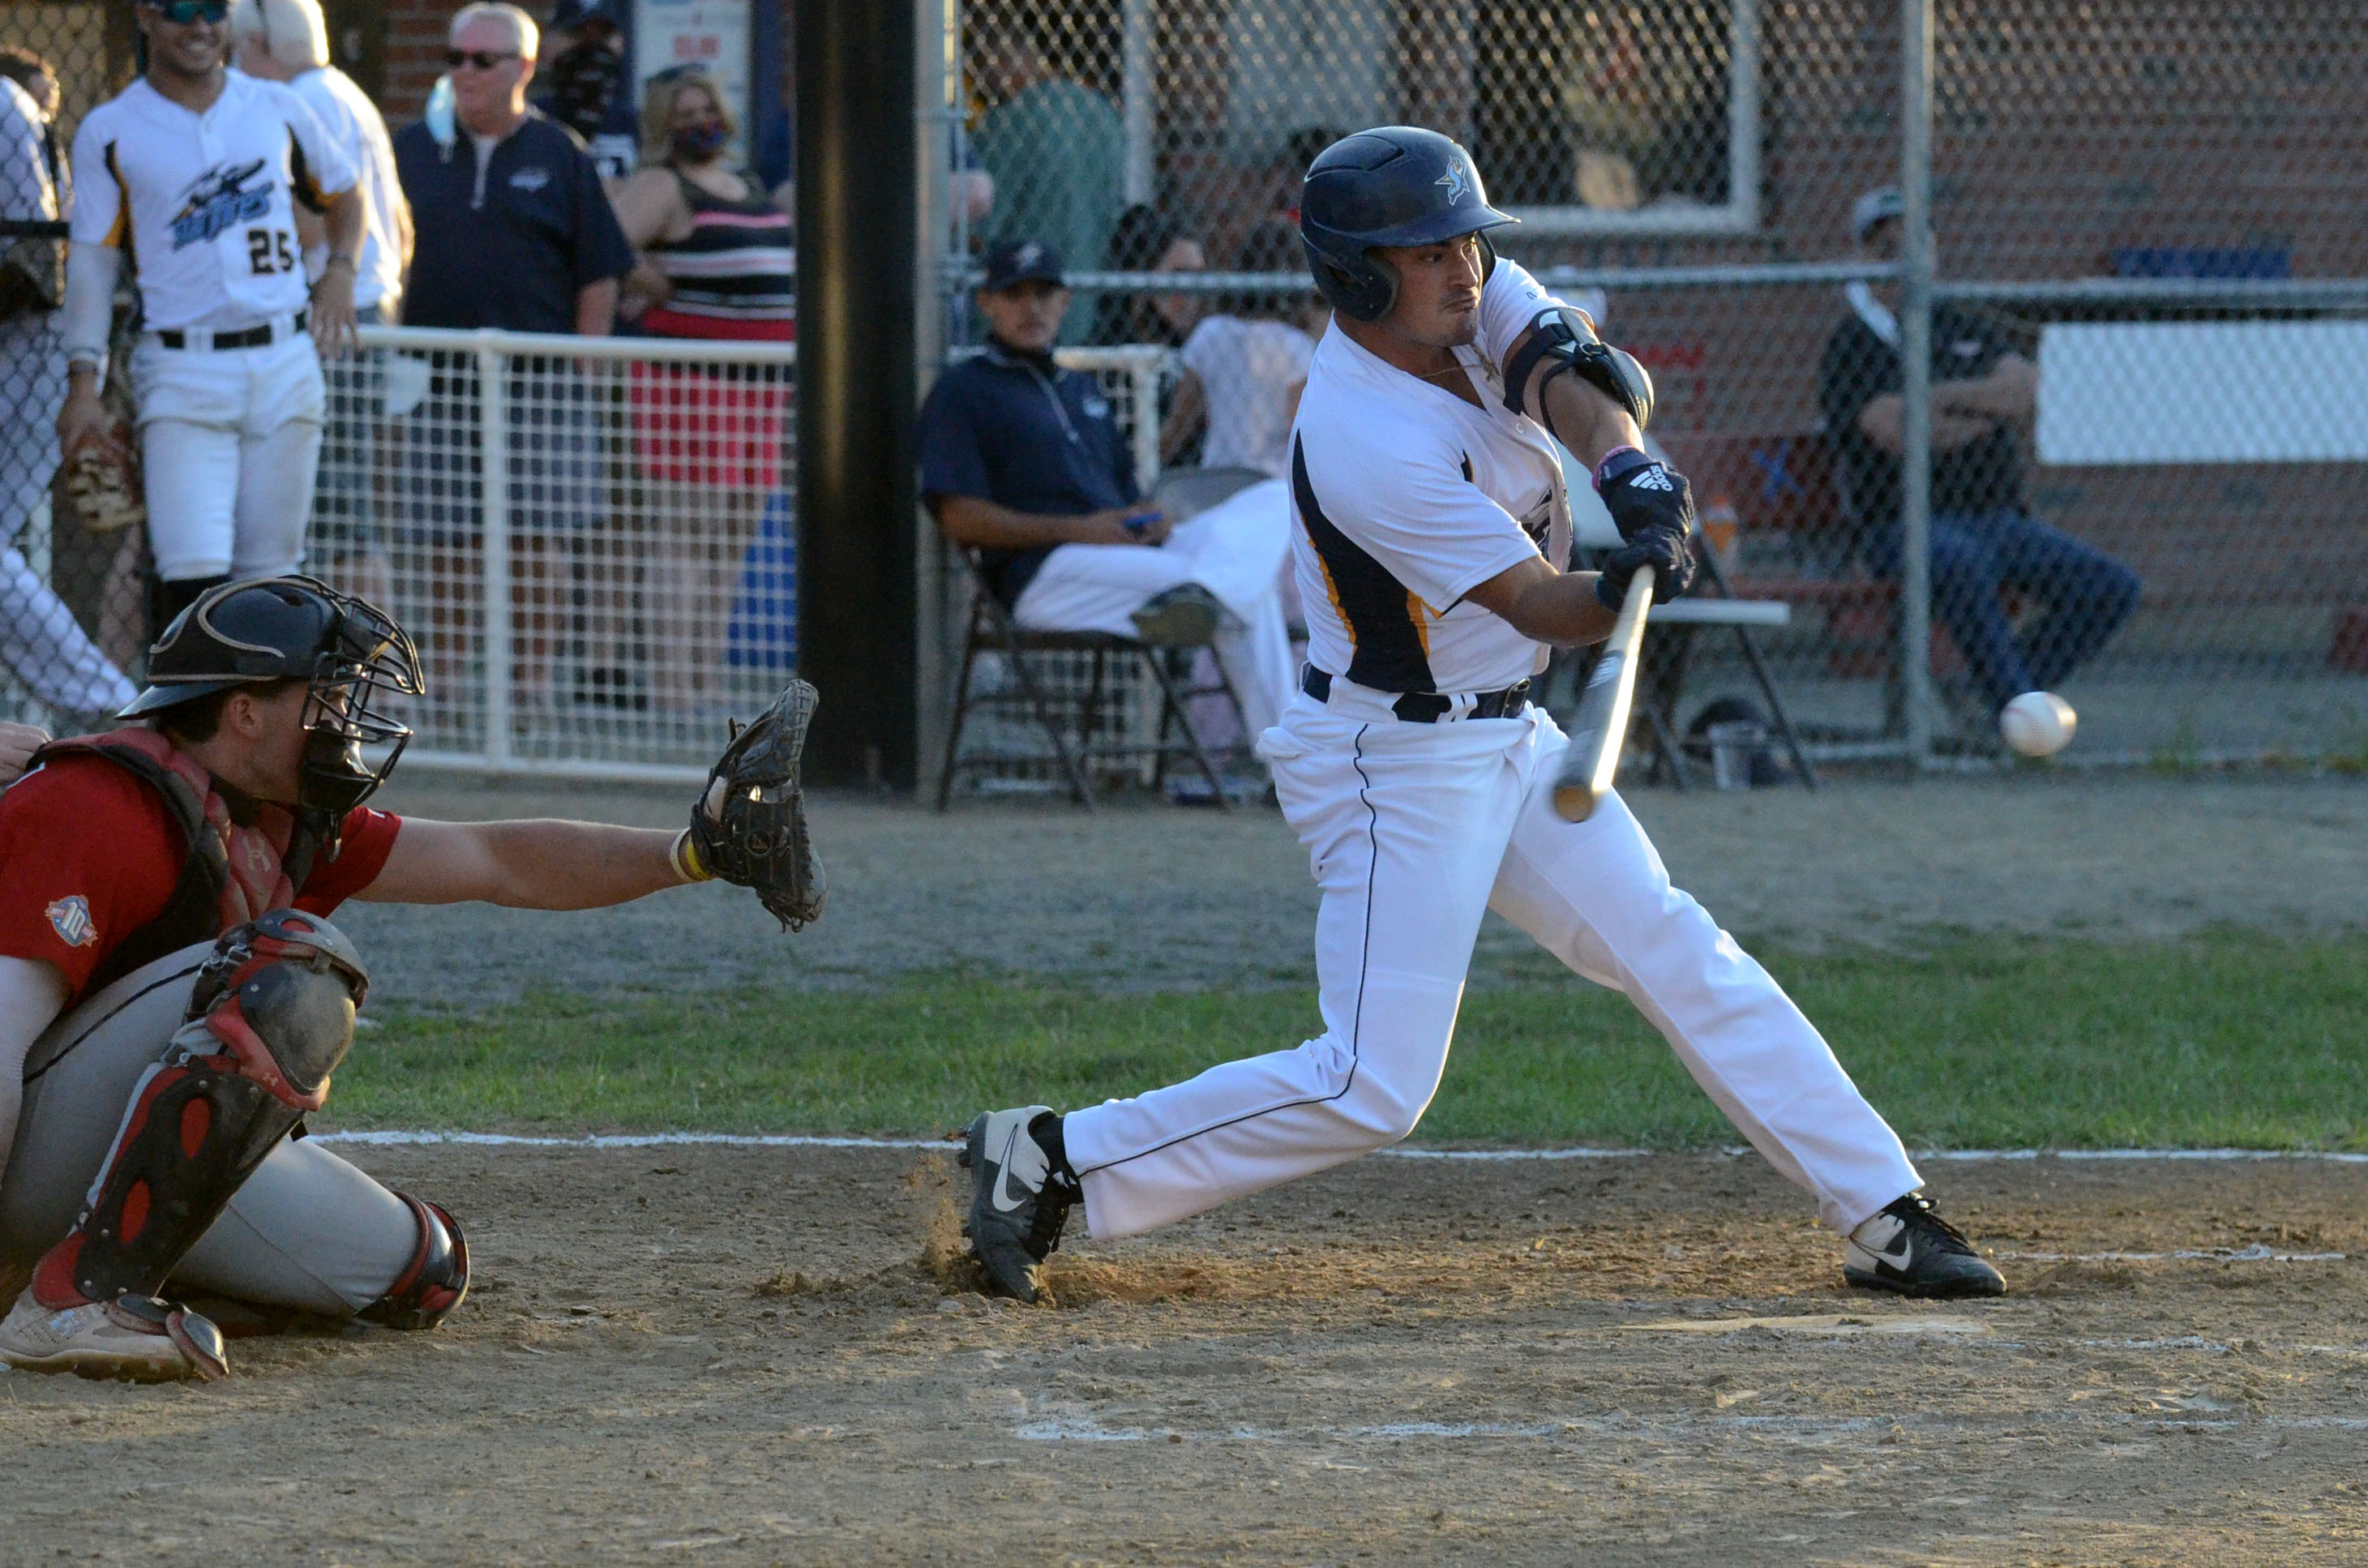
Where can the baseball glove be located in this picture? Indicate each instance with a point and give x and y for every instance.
(105, 498)
(749, 826)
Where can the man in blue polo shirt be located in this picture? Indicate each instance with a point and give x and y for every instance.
(514, 232)
(513, 227)
(1021, 461)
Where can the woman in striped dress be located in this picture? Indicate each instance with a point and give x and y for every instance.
(716, 262)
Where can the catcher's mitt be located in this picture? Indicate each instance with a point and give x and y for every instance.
(104, 496)
(749, 826)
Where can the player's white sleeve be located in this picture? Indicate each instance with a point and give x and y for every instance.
(102, 215)
(88, 319)
(1404, 501)
(325, 164)
(31, 997)
(1513, 298)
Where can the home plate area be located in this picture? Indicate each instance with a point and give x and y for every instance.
(761, 1354)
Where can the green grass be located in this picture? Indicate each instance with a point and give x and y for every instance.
(2233, 1039)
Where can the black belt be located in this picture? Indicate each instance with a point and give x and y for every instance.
(253, 337)
(1430, 707)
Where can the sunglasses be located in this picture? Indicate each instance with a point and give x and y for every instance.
(186, 13)
(476, 59)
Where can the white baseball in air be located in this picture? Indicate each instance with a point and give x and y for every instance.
(2038, 723)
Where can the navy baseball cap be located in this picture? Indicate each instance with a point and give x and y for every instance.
(1010, 262)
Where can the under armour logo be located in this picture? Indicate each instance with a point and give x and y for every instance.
(1453, 180)
(1652, 478)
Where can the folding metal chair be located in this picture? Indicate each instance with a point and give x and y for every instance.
(991, 628)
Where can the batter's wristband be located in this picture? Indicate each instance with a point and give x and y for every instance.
(1619, 461)
(684, 856)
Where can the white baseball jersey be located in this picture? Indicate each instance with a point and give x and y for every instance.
(206, 203)
(1407, 498)
(346, 111)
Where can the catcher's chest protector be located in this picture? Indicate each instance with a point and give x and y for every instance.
(235, 871)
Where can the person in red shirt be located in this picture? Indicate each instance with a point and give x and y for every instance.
(174, 997)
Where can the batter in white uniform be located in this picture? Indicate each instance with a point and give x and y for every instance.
(1432, 524)
(197, 170)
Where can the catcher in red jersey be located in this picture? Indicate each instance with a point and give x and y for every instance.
(174, 997)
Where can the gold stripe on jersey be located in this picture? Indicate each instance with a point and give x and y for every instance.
(119, 233)
(1383, 617)
(301, 183)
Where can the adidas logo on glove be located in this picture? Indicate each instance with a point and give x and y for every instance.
(1652, 478)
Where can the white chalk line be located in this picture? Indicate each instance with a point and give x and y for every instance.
(1077, 1428)
(401, 1136)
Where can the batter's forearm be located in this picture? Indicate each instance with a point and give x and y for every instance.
(1586, 421)
(1563, 610)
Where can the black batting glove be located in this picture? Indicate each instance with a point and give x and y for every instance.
(1668, 553)
(1642, 493)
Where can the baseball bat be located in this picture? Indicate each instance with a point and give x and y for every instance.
(1600, 728)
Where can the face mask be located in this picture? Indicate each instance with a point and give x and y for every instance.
(698, 144)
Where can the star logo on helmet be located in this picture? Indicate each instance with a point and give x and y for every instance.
(1453, 180)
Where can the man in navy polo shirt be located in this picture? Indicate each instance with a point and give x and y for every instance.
(514, 232)
(1021, 461)
(513, 227)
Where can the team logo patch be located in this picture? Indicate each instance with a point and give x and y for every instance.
(1453, 180)
(530, 179)
(70, 919)
(220, 198)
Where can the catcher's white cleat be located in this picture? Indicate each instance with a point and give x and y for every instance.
(137, 1337)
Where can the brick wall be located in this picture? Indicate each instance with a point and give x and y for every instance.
(415, 35)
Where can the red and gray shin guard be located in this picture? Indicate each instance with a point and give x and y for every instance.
(270, 1019)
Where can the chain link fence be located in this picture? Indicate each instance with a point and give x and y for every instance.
(628, 582)
(2145, 471)
(73, 605)
(2147, 454)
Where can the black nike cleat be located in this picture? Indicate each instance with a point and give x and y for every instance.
(1020, 1193)
(1908, 1248)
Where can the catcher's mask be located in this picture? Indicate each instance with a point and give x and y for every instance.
(348, 651)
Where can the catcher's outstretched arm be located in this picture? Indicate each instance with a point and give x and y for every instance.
(535, 864)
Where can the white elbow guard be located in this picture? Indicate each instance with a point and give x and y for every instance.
(91, 271)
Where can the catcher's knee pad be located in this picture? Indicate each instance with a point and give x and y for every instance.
(270, 1019)
(433, 1281)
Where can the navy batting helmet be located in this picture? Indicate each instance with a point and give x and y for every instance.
(1397, 185)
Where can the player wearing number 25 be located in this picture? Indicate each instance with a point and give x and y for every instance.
(198, 170)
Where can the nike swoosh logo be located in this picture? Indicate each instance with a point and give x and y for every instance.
(1898, 1259)
(1003, 1179)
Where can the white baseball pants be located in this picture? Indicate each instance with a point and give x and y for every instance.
(230, 439)
(1235, 549)
(1413, 831)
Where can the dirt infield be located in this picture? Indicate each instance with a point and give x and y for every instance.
(745, 1356)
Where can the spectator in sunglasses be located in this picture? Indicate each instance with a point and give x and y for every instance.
(515, 231)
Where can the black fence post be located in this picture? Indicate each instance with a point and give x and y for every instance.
(856, 167)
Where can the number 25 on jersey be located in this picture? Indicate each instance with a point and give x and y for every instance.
(267, 251)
